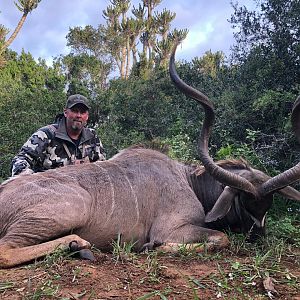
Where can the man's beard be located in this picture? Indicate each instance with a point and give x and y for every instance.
(77, 125)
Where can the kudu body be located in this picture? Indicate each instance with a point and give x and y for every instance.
(139, 194)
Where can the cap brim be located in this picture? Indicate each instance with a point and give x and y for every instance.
(78, 103)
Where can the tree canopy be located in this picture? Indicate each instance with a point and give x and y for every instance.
(253, 89)
(138, 38)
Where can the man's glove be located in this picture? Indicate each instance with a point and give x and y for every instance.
(19, 167)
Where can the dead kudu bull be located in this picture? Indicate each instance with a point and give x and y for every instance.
(140, 194)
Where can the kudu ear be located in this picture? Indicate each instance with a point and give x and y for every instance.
(222, 205)
(289, 193)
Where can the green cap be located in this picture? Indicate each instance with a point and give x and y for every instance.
(77, 99)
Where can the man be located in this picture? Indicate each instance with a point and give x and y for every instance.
(64, 143)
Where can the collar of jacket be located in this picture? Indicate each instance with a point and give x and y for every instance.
(61, 132)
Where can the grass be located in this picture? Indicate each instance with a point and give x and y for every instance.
(257, 263)
(54, 258)
(261, 261)
(123, 251)
(234, 277)
(152, 267)
(238, 272)
(161, 294)
(45, 289)
(6, 285)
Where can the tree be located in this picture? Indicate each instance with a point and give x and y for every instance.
(89, 62)
(270, 36)
(157, 38)
(118, 32)
(149, 35)
(148, 26)
(123, 31)
(268, 51)
(25, 6)
(3, 32)
(262, 83)
(210, 63)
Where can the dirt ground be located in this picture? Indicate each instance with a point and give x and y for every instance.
(155, 276)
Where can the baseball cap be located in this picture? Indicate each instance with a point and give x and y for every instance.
(77, 99)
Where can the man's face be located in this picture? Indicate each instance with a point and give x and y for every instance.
(76, 117)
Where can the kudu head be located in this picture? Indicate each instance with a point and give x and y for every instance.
(250, 192)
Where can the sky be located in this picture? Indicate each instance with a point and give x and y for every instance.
(45, 29)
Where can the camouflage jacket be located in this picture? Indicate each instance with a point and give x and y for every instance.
(51, 147)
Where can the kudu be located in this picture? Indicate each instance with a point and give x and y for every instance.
(141, 195)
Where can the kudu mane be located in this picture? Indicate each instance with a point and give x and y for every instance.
(153, 145)
(226, 164)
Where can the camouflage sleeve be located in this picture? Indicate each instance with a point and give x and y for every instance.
(32, 153)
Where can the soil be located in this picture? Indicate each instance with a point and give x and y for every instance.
(154, 276)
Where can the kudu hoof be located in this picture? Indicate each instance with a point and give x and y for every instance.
(81, 253)
(150, 246)
(86, 254)
(74, 246)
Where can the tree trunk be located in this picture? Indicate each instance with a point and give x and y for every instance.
(128, 59)
(15, 33)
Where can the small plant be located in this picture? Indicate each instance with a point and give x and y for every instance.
(46, 289)
(78, 272)
(245, 276)
(153, 267)
(195, 285)
(238, 243)
(55, 257)
(161, 294)
(6, 285)
(196, 250)
(285, 228)
(123, 250)
(188, 250)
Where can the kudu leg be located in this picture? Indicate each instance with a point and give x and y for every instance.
(194, 238)
(12, 256)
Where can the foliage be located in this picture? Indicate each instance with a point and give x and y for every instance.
(268, 43)
(210, 63)
(264, 82)
(142, 110)
(31, 94)
(181, 147)
(89, 63)
(286, 227)
(133, 108)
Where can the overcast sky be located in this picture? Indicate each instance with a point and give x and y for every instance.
(45, 29)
